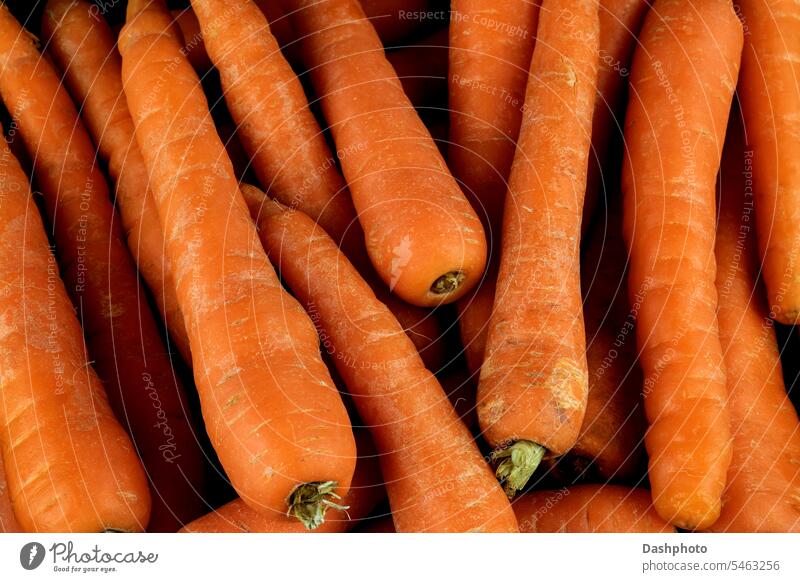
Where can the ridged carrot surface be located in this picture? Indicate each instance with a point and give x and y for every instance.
(763, 489)
(682, 82)
(422, 235)
(770, 94)
(435, 475)
(271, 410)
(589, 509)
(533, 383)
(69, 466)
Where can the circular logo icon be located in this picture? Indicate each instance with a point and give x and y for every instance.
(31, 555)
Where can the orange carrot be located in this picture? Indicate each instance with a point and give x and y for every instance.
(589, 509)
(614, 425)
(620, 22)
(435, 476)
(366, 491)
(423, 237)
(770, 95)
(8, 521)
(422, 68)
(290, 155)
(272, 413)
(763, 490)
(533, 383)
(121, 332)
(683, 76)
(84, 47)
(69, 466)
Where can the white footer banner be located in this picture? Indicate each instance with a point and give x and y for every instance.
(410, 558)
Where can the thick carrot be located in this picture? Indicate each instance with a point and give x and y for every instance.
(763, 490)
(533, 382)
(84, 48)
(69, 465)
(613, 428)
(8, 521)
(770, 95)
(435, 476)
(422, 235)
(121, 332)
(290, 155)
(620, 22)
(589, 509)
(272, 413)
(682, 82)
(422, 68)
(366, 491)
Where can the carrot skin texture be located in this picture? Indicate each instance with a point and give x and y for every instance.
(613, 430)
(533, 382)
(290, 155)
(366, 491)
(763, 490)
(272, 413)
(69, 465)
(8, 521)
(683, 77)
(620, 22)
(418, 225)
(770, 97)
(85, 49)
(430, 464)
(589, 509)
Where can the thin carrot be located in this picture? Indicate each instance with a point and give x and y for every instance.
(435, 476)
(121, 332)
(589, 509)
(423, 237)
(682, 82)
(290, 155)
(271, 410)
(366, 491)
(69, 465)
(770, 96)
(763, 489)
(84, 48)
(620, 22)
(613, 428)
(8, 521)
(533, 383)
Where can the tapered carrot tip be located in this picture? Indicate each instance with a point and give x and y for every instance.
(310, 501)
(516, 464)
(695, 511)
(448, 283)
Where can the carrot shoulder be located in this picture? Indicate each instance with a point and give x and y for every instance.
(533, 383)
(69, 465)
(270, 407)
(770, 96)
(422, 235)
(682, 82)
(589, 509)
(763, 490)
(435, 476)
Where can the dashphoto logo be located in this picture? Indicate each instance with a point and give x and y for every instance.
(31, 555)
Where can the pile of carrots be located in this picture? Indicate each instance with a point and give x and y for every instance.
(330, 265)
